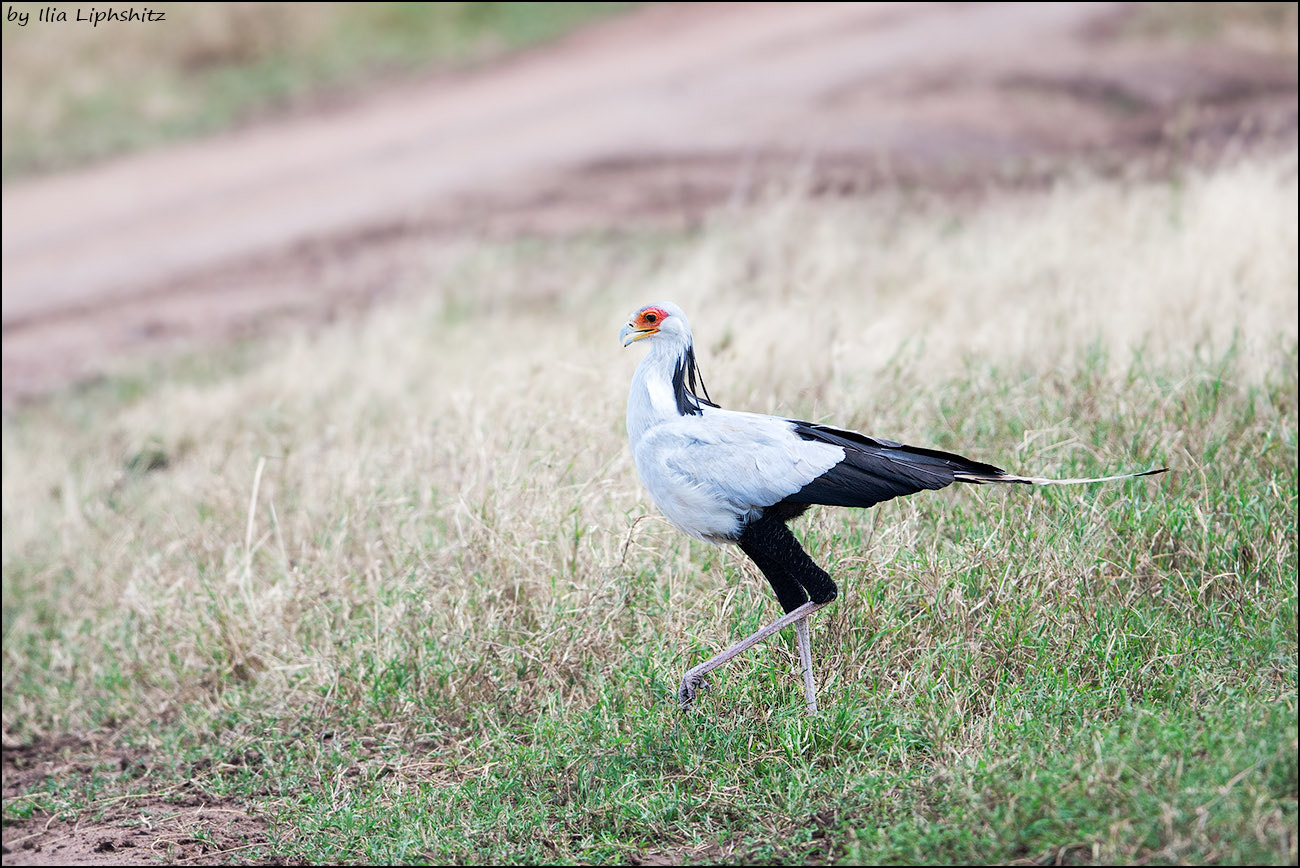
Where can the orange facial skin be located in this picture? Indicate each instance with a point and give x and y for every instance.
(649, 318)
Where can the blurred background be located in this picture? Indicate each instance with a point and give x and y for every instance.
(235, 164)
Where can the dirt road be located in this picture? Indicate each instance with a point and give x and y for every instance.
(666, 111)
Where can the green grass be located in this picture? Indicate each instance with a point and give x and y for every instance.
(73, 93)
(391, 585)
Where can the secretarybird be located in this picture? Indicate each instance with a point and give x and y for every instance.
(724, 476)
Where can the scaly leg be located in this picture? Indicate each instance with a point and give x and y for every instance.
(694, 678)
(805, 663)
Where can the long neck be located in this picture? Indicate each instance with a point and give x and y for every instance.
(666, 386)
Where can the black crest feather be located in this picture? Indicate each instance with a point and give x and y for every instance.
(685, 390)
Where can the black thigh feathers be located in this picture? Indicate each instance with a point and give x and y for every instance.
(793, 575)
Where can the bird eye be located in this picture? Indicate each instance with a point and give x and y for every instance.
(651, 318)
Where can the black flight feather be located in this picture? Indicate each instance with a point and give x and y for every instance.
(875, 470)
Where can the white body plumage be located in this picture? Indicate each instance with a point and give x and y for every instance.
(710, 470)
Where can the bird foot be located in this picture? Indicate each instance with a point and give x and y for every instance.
(693, 681)
(691, 686)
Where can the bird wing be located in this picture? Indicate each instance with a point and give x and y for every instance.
(874, 470)
(709, 473)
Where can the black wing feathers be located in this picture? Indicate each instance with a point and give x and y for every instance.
(876, 470)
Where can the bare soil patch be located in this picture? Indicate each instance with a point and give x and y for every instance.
(181, 825)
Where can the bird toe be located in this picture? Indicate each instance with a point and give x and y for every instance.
(691, 686)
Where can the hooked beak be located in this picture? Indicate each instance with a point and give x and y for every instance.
(630, 333)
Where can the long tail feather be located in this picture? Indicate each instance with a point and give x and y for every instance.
(987, 478)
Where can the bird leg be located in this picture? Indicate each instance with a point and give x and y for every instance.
(693, 680)
(805, 663)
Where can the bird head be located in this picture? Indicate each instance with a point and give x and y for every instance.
(659, 320)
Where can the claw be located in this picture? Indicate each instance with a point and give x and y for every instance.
(693, 681)
(691, 686)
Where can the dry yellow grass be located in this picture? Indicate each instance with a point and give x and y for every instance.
(468, 446)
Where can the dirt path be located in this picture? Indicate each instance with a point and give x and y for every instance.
(183, 825)
(666, 111)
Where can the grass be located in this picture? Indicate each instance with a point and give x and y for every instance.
(1267, 27)
(395, 584)
(74, 93)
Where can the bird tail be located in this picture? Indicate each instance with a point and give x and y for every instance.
(987, 478)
